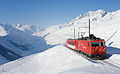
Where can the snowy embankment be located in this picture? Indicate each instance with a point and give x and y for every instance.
(56, 60)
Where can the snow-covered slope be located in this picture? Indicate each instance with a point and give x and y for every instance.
(61, 60)
(57, 60)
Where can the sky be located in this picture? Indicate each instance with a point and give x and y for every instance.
(50, 12)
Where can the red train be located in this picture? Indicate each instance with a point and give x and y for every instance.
(91, 46)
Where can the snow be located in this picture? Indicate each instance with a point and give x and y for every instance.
(58, 59)
(2, 31)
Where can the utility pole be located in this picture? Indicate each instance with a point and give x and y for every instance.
(89, 28)
(74, 33)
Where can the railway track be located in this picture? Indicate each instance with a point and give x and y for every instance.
(103, 62)
(108, 63)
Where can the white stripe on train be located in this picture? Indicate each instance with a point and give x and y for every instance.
(71, 46)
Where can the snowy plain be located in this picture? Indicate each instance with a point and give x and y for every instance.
(58, 59)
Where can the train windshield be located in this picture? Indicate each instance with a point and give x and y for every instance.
(95, 44)
(102, 44)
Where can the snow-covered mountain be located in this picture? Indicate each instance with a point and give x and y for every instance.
(59, 59)
(19, 40)
(104, 24)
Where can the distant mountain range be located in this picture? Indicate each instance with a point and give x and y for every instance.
(19, 40)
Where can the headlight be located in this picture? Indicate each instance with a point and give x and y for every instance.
(95, 49)
(104, 51)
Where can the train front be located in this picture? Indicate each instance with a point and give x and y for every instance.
(98, 48)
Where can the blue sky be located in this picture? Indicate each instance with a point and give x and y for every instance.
(50, 12)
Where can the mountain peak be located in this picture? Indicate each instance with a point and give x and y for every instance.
(94, 14)
(2, 31)
(101, 11)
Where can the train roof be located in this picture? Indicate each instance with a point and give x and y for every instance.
(91, 38)
(86, 39)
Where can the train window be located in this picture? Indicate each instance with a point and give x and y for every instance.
(72, 43)
(68, 42)
(95, 44)
(88, 44)
(102, 44)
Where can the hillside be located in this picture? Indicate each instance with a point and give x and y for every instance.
(58, 60)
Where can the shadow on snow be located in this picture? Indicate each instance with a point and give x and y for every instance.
(111, 51)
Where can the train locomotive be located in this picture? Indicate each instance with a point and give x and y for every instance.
(90, 46)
